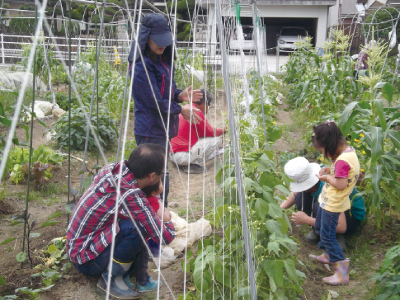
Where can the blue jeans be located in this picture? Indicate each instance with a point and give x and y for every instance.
(159, 141)
(326, 223)
(129, 247)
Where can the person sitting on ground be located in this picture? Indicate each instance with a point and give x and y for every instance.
(196, 142)
(90, 231)
(306, 188)
(152, 192)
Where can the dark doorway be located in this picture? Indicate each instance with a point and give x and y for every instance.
(274, 25)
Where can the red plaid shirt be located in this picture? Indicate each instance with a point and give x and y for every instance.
(90, 229)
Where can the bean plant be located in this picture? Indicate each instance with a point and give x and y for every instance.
(219, 268)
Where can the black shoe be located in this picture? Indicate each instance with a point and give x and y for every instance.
(312, 237)
(116, 292)
(194, 169)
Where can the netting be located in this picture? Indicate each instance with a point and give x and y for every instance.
(248, 254)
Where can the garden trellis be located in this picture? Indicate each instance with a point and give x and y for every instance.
(245, 261)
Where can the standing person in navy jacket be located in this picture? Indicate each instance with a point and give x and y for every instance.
(154, 90)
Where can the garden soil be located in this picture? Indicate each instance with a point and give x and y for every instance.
(77, 286)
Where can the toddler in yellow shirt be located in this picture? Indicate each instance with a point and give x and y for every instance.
(340, 180)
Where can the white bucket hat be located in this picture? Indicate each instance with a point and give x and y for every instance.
(302, 172)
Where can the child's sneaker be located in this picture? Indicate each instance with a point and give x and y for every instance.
(150, 285)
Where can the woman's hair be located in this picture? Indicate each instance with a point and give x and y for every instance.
(151, 188)
(328, 136)
(207, 97)
(166, 56)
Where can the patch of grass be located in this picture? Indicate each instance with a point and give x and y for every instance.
(54, 189)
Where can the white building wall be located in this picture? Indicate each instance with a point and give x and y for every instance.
(319, 12)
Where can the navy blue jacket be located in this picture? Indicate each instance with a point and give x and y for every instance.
(151, 113)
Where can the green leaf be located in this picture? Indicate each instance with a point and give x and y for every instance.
(290, 268)
(394, 137)
(274, 269)
(283, 189)
(381, 113)
(388, 93)
(2, 281)
(54, 215)
(379, 85)
(26, 128)
(273, 246)
(269, 179)
(21, 257)
(5, 121)
(346, 120)
(275, 211)
(274, 226)
(87, 182)
(262, 208)
(49, 223)
(392, 159)
(376, 178)
(6, 241)
(377, 143)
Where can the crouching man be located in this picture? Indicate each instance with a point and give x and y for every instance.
(90, 231)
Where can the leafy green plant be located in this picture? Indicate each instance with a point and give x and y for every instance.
(273, 251)
(44, 162)
(42, 67)
(322, 84)
(388, 276)
(55, 263)
(106, 129)
(183, 78)
(24, 218)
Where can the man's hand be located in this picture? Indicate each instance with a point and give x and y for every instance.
(186, 114)
(299, 217)
(186, 95)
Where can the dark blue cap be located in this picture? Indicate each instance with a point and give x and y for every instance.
(160, 33)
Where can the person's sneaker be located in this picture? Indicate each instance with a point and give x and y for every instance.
(194, 169)
(312, 237)
(341, 241)
(150, 285)
(128, 282)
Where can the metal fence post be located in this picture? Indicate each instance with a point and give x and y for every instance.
(277, 59)
(2, 49)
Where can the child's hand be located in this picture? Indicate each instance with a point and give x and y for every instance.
(322, 177)
(167, 214)
(324, 171)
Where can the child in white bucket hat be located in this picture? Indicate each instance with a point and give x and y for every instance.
(306, 188)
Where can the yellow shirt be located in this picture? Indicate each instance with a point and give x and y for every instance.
(334, 200)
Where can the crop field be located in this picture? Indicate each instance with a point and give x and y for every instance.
(67, 111)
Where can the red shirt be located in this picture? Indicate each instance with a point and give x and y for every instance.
(154, 203)
(181, 143)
